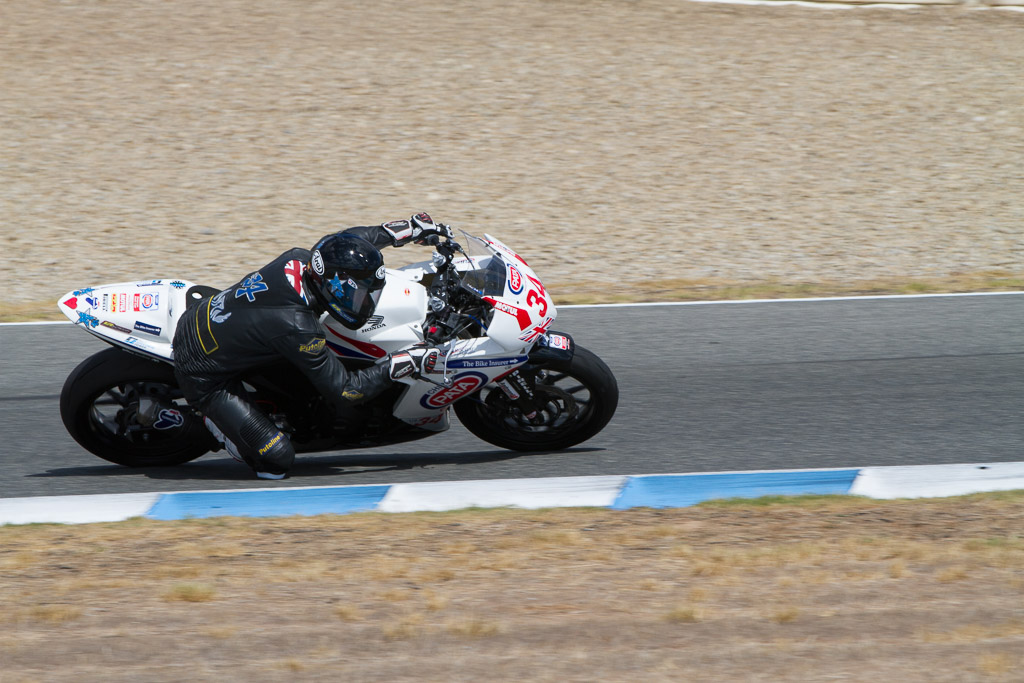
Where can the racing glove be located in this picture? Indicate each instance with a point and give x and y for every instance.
(414, 362)
(420, 229)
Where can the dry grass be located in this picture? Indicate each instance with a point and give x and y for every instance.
(473, 627)
(931, 588)
(190, 592)
(685, 614)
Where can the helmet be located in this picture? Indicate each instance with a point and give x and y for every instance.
(345, 273)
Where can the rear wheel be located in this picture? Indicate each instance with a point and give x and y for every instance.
(576, 400)
(129, 410)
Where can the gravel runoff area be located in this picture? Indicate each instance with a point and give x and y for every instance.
(614, 143)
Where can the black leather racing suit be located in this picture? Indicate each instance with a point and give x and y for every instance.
(265, 317)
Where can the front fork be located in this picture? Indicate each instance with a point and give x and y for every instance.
(520, 392)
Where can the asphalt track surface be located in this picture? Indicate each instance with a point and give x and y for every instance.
(732, 386)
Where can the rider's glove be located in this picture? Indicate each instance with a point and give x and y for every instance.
(414, 362)
(420, 229)
(426, 231)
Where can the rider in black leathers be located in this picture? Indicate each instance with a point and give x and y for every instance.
(274, 313)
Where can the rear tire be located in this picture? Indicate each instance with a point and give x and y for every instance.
(130, 411)
(580, 397)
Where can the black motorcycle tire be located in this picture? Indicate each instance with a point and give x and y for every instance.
(491, 420)
(111, 373)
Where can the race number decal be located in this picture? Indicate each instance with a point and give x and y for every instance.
(534, 299)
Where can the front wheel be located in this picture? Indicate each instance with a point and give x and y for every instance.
(129, 410)
(578, 398)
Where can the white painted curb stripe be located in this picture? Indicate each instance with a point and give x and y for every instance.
(76, 509)
(599, 491)
(936, 481)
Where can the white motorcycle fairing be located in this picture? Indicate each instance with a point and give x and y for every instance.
(137, 316)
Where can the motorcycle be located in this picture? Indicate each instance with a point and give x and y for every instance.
(511, 380)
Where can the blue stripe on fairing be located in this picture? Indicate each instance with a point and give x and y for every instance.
(268, 503)
(690, 489)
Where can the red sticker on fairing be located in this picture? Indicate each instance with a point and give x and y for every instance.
(522, 316)
(462, 385)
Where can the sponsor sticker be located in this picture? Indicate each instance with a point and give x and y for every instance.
(557, 341)
(342, 313)
(168, 419)
(486, 362)
(151, 283)
(147, 328)
(462, 385)
(270, 444)
(135, 341)
(177, 284)
(522, 316)
(113, 326)
(374, 322)
(314, 346)
(515, 280)
(148, 301)
(92, 301)
(106, 302)
(380, 272)
(318, 262)
(136, 299)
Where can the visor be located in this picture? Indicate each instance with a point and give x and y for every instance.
(354, 301)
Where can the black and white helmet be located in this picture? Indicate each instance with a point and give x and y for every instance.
(345, 274)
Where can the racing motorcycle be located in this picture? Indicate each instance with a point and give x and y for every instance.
(510, 379)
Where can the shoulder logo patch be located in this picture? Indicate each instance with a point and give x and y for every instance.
(314, 346)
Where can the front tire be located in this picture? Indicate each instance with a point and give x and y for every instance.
(579, 398)
(130, 411)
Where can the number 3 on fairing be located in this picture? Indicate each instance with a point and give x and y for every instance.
(533, 298)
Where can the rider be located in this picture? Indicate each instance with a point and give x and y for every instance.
(274, 313)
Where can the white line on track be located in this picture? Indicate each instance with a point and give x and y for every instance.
(791, 301)
(705, 303)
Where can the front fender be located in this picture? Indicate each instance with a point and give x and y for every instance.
(553, 347)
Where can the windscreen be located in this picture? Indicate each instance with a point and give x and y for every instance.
(488, 276)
